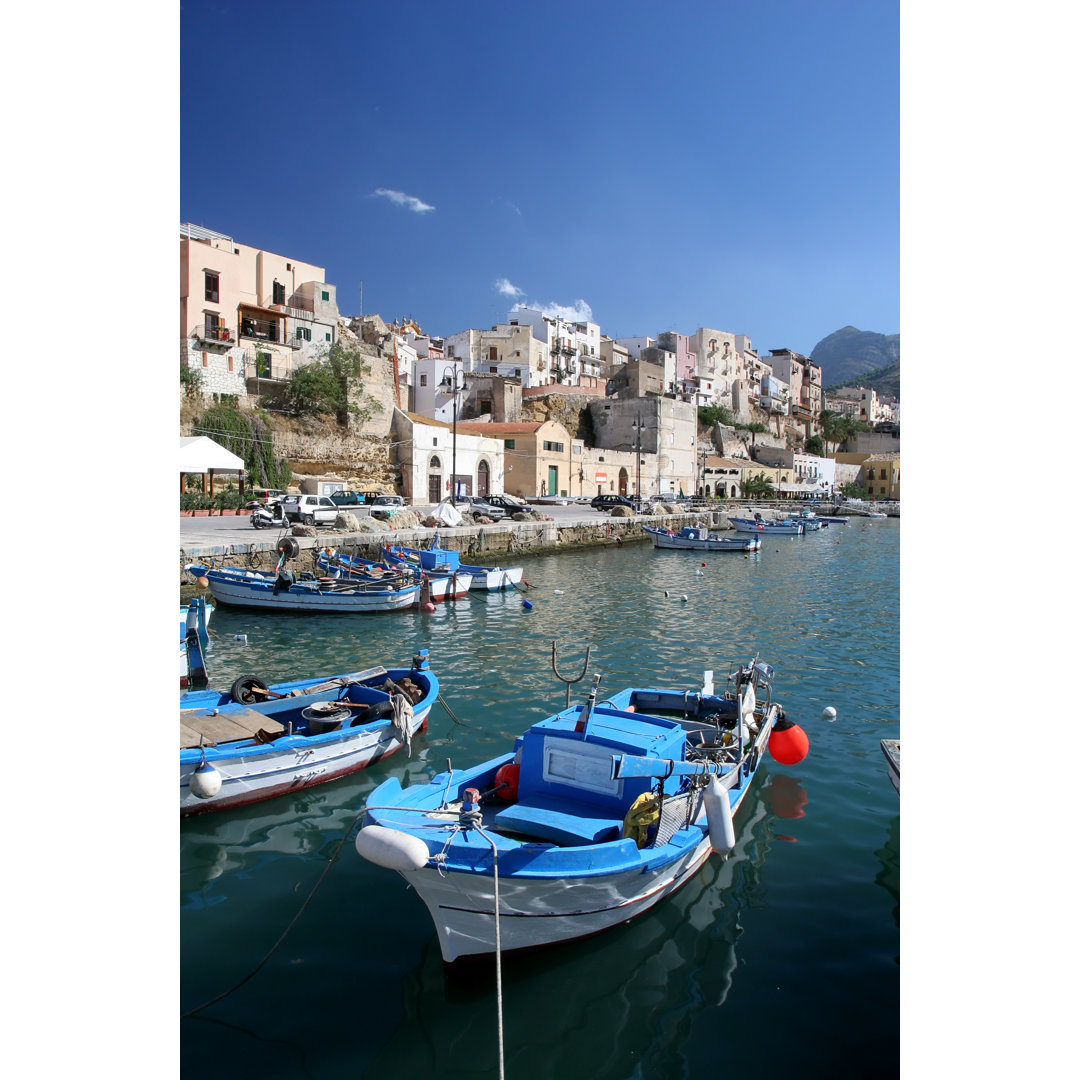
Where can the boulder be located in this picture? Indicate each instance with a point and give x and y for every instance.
(621, 512)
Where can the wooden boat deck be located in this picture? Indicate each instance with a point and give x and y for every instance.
(198, 727)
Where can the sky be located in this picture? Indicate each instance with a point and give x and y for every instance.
(646, 166)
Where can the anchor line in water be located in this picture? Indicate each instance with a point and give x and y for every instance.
(442, 701)
(285, 933)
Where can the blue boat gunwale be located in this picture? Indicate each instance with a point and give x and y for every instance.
(250, 749)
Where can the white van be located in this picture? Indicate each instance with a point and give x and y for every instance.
(309, 509)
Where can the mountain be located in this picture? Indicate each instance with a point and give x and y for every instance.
(860, 356)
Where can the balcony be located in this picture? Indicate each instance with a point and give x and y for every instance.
(215, 335)
(259, 329)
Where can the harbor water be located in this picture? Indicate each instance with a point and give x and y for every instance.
(783, 959)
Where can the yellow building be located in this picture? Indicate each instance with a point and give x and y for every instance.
(879, 474)
(541, 459)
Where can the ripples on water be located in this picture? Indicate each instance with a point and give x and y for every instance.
(798, 930)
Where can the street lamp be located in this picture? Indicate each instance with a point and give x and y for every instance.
(450, 382)
(637, 425)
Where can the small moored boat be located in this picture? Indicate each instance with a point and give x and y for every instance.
(596, 814)
(194, 618)
(284, 591)
(784, 527)
(439, 585)
(255, 741)
(446, 560)
(689, 538)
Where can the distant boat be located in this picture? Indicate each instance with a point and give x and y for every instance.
(435, 558)
(440, 585)
(590, 818)
(891, 749)
(254, 741)
(690, 539)
(785, 527)
(282, 591)
(194, 619)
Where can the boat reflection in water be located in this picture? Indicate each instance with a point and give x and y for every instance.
(889, 875)
(600, 999)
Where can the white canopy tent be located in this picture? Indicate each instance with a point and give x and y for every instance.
(200, 454)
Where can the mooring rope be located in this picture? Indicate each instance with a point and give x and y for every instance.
(442, 701)
(255, 970)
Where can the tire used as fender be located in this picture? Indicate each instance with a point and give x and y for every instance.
(241, 691)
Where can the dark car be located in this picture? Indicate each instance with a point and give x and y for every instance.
(353, 498)
(606, 502)
(475, 504)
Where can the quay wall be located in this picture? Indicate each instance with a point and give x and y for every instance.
(502, 543)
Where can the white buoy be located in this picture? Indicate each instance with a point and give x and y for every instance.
(558, 592)
(242, 638)
(718, 815)
(684, 598)
(391, 848)
(829, 713)
(205, 781)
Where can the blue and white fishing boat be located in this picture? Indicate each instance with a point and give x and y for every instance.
(195, 617)
(435, 558)
(255, 741)
(283, 591)
(436, 585)
(784, 527)
(596, 814)
(689, 538)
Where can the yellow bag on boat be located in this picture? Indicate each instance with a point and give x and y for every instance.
(644, 812)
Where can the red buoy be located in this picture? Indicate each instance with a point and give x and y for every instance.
(508, 775)
(788, 743)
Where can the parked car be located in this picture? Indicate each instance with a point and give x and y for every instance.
(353, 498)
(475, 504)
(263, 497)
(510, 503)
(606, 502)
(310, 509)
(385, 506)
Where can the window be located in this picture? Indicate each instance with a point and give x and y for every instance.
(508, 444)
(230, 362)
(554, 447)
(279, 293)
(303, 333)
(493, 370)
(326, 295)
(327, 335)
(211, 286)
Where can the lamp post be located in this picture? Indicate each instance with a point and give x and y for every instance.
(450, 381)
(637, 427)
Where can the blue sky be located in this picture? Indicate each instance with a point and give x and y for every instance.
(649, 166)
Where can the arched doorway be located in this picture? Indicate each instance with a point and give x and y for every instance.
(482, 474)
(434, 483)
(623, 481)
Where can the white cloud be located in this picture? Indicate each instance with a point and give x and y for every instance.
(410, 202)
(579, 311)
(508, 289)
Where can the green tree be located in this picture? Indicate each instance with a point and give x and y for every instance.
(247, 436)
(191, 381)
(711, 415)
(758, 487)
(814, 446)
(334, 383)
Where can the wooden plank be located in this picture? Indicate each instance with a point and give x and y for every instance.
(226, 726)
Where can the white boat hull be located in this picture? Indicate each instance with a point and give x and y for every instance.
(258, 595)
(291, 763)
(494, 580)
(546, 909)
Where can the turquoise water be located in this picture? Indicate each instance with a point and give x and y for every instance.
(784, 958)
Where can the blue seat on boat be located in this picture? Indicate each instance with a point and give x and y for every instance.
(562, 821)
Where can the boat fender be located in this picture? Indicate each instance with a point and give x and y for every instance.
(242, 690)
(205, 781)
(788, 743)
(641, 819)
(509, 775)
(391, 848)
(718, 815)
(749, 702)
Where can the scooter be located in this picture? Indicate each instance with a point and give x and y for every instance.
(271, 517)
